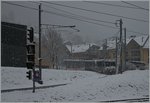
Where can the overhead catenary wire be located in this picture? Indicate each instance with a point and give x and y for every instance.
(114, 5)
(95, 20)
(77, 14)
(20, 5)
(98, 12)
(135, 5)
(64, 15)
(82, 16)
(80, 19)
(71, 17)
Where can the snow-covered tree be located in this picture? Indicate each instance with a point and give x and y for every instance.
(55, 49)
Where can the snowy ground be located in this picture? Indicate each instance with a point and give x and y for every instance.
(84, 86)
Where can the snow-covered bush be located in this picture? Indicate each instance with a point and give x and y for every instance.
(109, 70)
(130, 66)
(146, 66)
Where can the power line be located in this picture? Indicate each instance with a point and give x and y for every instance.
(64, 15)
(78, 15)
(95, 11)
(95, 20)
(79, 19)
(20, 5)
(114, 5)
(70, 18)
(95, 23)
(135, 5)
(82, 16)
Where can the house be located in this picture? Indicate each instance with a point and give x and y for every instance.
(137, 49)
(79, 53)
(83, 51)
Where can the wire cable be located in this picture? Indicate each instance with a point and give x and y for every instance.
(64, 15)
(77, 15)
(98, 12)
(79, 19)
(135, 5)
(80, 16)
(20, 5)
(95, 20)
(70, 18)
(114, 5)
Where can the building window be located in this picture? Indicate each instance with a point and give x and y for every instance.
(135, 54)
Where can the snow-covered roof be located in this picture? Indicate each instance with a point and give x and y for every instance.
(142, 39)
(146, 44)
(79, 47)
(111, 44)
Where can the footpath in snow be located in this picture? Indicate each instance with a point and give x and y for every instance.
(84, 86)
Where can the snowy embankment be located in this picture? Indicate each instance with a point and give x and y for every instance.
(84, 86)
(12, 77)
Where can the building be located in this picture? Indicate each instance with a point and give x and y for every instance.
(83, 51)
(137, 49)
(79, 53)
(13, 44)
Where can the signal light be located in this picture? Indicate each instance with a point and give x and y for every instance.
(30, 34)
(29, 74)
(30, 49)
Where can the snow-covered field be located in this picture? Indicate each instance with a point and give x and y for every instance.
(84, 86)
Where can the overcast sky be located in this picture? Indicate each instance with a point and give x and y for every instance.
(88, 31)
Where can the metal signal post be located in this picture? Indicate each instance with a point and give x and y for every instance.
(40, 60)
(30, 63)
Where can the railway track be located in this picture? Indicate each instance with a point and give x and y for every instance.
(30, 88)
(130, 100)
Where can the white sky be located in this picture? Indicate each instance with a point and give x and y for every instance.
(88, 31)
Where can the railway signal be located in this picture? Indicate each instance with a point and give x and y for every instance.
(29, 74)
(30, 49)
(30, 62)
(30, 56)
(30, 34)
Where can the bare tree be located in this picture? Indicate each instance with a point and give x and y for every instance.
(55, 48)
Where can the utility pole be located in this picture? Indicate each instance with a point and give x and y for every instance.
(120, 46)
(116, 56)
(124, 48)
(120, 22)
(71, 51)
(105, 51)
(40, 60)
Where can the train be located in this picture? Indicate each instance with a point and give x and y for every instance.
(104, 66)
